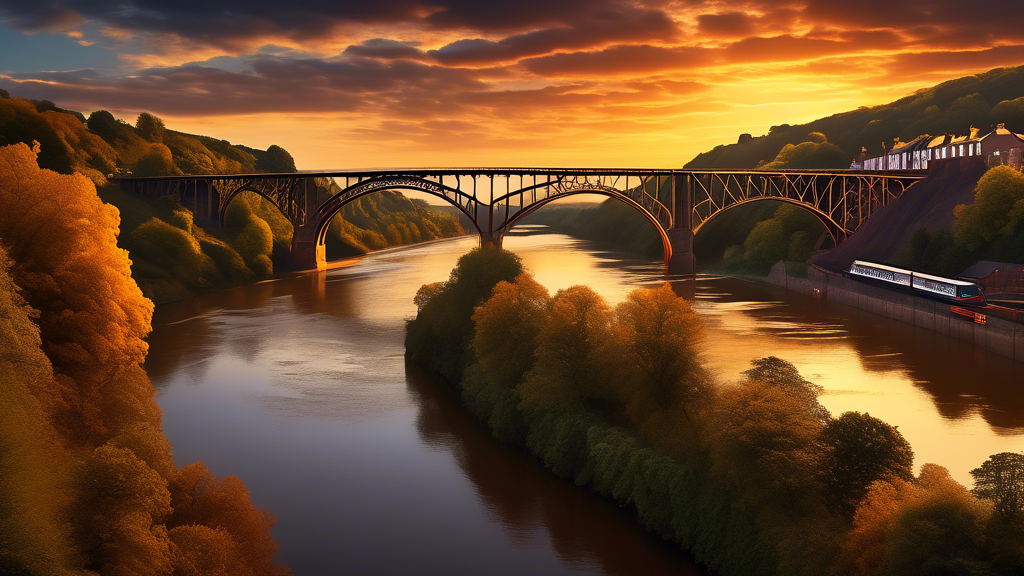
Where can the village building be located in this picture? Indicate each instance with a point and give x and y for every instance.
(998, 147)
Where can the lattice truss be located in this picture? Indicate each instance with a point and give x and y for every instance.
(496, 198)
(842, 202)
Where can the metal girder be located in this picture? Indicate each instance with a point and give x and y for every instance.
(495, 198)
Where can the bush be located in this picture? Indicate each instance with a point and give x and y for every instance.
(255, 240)
(765, 245)
(156, 161)
(157, 241)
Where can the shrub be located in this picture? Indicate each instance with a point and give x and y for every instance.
(256, 239)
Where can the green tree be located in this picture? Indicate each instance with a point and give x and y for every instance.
(1001, 480)
(150, 127)
(766, 244)
(858, 451)
(276, 160)
(999, 194)
(103, 124)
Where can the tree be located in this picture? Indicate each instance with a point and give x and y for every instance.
(92, 316)
(198, 498)
(157, 161)
(1001, 480)
(658, 334)
(814, 152)
(859, 451)
(276, 160)
(1000, 193)
(781, 374)
(766, 244)
(203, 551)
(572, 353)
(765, 444)
(33, 539)
(118, 512)
(938, 529)
(507, 326)
(150, 127)
(103, 124)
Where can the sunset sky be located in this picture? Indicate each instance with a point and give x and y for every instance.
(375, 83)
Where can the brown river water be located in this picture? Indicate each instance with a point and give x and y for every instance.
(299, 387)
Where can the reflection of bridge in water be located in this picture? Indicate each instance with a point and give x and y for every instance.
(677, 202)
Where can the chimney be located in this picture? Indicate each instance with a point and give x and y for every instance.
(1000, 126)
(974, 132)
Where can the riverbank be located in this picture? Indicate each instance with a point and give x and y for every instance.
(1003, 337)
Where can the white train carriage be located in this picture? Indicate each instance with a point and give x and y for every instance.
(925, 284)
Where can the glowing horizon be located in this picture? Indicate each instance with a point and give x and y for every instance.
(450, 83)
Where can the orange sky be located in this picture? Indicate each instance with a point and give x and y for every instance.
(505, 82)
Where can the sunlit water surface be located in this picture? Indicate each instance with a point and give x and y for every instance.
(299, 387)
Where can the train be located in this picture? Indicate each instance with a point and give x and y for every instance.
(925, 284)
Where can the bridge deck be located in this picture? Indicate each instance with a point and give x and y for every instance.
(518, 171)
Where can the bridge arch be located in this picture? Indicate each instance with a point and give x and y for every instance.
(835, 232)
(607, 192)
(226, 201)
(322, 219)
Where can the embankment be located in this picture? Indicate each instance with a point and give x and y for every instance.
(1003, 337)
(927, 204)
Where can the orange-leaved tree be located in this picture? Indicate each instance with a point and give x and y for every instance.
(92, 316)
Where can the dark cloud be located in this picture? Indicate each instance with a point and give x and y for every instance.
(235, 23)
(388, 50)
(726, 24)
(271, 85)
(983, 20)
(597, 29)
(620, 60)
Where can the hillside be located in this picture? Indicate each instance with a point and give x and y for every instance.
(950, 107)
(172, 256)
(887, 235)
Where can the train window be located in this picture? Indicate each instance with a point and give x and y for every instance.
(969, 291)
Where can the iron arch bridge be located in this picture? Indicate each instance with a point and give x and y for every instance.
(676, 202)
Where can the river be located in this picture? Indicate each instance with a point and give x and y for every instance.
(299, 387)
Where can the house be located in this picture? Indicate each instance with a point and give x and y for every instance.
(1001, 146)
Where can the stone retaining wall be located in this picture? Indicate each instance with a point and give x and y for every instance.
(1001, 336)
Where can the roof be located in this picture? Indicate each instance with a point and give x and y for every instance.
(938, 141)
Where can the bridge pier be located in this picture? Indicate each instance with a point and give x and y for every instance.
(491, 239)
(307, 251)
(682, 262)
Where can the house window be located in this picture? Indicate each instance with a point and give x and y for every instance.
(961, 149)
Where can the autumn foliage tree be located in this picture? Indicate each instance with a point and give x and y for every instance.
(86, 471)
(572, 354)
(658, 334)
